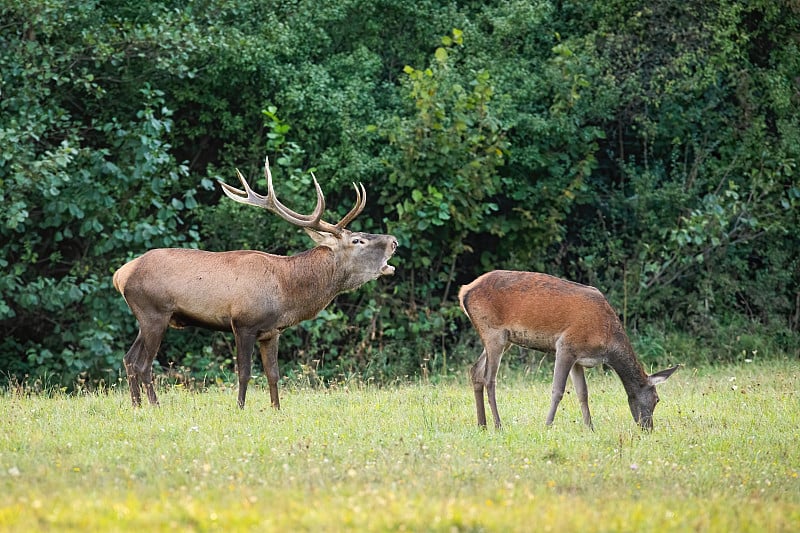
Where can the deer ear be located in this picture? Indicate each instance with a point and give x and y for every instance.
(322, 238)
(661, 377)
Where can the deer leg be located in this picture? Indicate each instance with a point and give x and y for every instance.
(139, 359)
(134, 383)
(244, 360)
(476, 375)
(494, 345)
(579, 382)
(149, 385)
(492, 364)
(562, 369)
(269, 359)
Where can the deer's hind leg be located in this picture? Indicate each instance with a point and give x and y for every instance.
(484, 373)
(245, 341)
(268, 348)
(476, 374)
(131, 361)
(139, 359)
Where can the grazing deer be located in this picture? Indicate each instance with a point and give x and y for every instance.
(553, 315)
(254, 294)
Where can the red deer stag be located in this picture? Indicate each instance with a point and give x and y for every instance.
(553, 315)
(254, 294)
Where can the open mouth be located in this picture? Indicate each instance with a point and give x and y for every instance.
(386, 268)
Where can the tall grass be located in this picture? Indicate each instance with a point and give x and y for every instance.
(724, 456)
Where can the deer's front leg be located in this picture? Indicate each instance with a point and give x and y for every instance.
(562, 369)
(582, 391)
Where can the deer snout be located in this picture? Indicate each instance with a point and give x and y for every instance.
(386, 268)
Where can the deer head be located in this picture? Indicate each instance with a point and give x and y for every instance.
(371, 251)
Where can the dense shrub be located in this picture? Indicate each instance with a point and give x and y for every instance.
(650, 150)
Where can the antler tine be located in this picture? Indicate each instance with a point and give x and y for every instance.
(247, 196)
(361, 202)
(271, 203)
(318, 210)
(313, 221)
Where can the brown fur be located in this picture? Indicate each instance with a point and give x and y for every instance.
(553, 315)
(254, 294)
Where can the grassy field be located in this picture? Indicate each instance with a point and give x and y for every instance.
(724, 456)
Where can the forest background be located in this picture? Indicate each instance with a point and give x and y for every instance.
(646, 148)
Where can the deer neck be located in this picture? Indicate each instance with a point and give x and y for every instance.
(628, 368)
(314, 273)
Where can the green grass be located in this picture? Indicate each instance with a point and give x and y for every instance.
(724, 456)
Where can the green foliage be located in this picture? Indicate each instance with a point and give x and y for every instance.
(85, 187)
(650, 150)
(442, 168)
(701, 177)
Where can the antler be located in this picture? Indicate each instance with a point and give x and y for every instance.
(271, 203)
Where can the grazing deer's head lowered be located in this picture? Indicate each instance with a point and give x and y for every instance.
(254, 294)
(553, 315)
